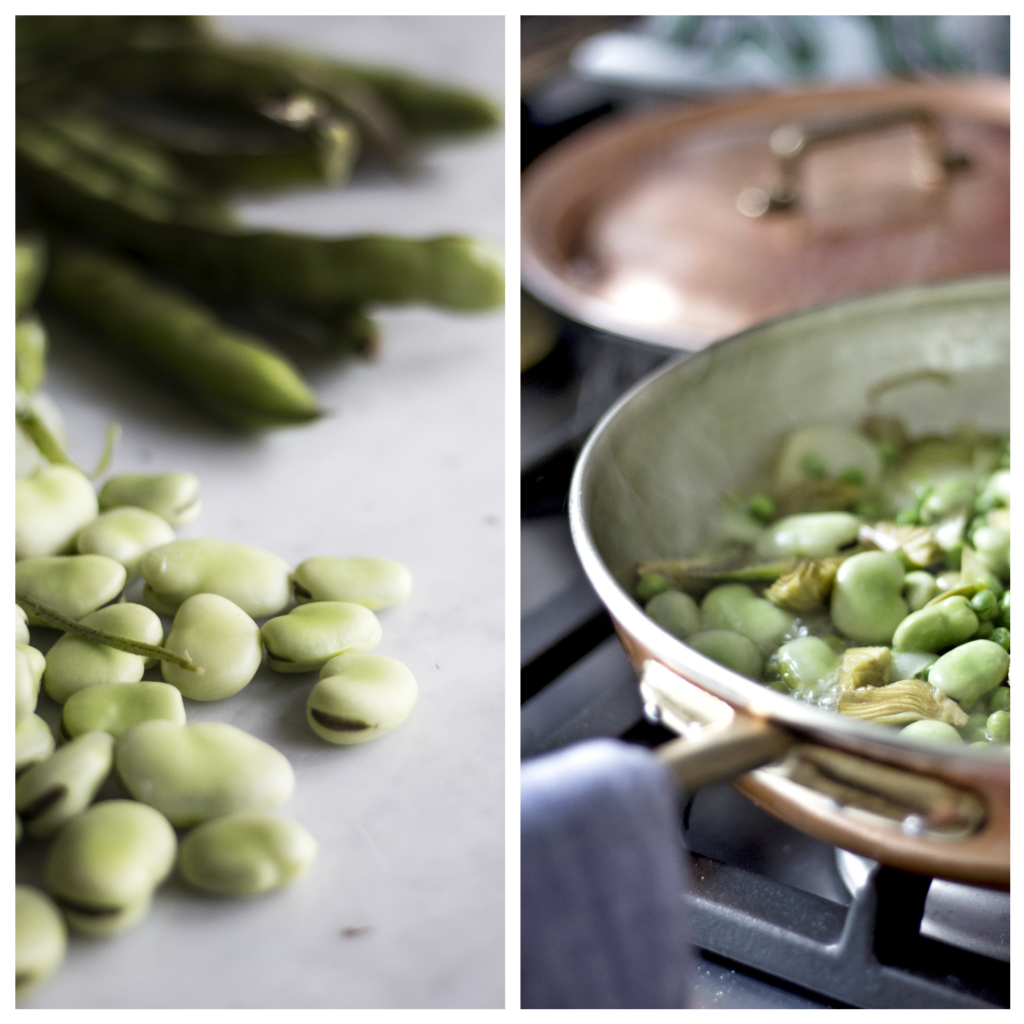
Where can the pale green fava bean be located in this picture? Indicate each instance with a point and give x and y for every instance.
(941, 625)
(49, 510)
(75, 663)
(29, 665)
(255, 580)
(729, 648)
(919, 587)
(33, 742)
(735, 606)
(866, 597)
(221, 639)
(312, 634)
(997, 727)
(675, 612)
(809, 535)
(375, 583)
(105, 864)
(172, 496)
(115, 707)
(40, 938)
(806, 663)
(21, 633)
(360, 697)
(970, 671)
(192, 773)
(243, 854)
(932, 731)
(53, 792)
(124, 534)
(73, 584)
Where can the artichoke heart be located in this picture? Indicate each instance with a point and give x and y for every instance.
(900, 703)
(918, 543)
(806, 586)
(865, 666)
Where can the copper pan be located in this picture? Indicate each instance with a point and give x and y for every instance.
(634, 225)
(649, 484)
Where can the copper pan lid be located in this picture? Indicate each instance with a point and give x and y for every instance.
(684, 225)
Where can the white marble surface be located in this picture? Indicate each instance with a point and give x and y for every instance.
(408, 466)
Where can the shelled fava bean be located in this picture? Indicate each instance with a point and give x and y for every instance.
(76, 554)
(874, 580)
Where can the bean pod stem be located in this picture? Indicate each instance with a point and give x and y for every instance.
(100, 636)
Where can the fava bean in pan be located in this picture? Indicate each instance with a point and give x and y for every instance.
(375, 583)
(40, 938)
(115, 707)
(360, 697)
(241, 854)
(312, 634)
(49, 510)
(106, 863)
(75, 663)
(221, 639)
(192, 773)
(51, 793)
(125, 534)
(74, 585)
(255, 580)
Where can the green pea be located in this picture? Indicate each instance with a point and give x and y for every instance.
(985, 605)
(937, 626)
(125, 535)
(810, 535)
(919, 587)
(360, 697)
(172, 496)
(221, 639)
(29, 665)
(867, 605)
(21, 633)
(999, 699)
(931, 731)
(245, 853)
(729, 648)
(736, 607)
(73, 584)
(105, 864)
(970, 671)
(114, 708)
(40, 938)
(806, 663)
(1003, 619)
(312, 634)
(75, 663)
(54, 791)
(997, 727)
(650, 586)
(192, 773)
(761, 507)
(675, 612)
(375, 583)
(33, 742)
(257, 581)
(49, 510)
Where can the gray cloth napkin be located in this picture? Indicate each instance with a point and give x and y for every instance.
(603, 876)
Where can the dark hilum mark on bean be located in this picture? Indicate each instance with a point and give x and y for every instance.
(43, 803)
(339, 724)
(301, 591)
(86, 910)
(355, 932)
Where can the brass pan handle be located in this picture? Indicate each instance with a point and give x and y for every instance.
(790, 143)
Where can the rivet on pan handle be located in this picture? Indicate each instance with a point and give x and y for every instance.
(790, 144)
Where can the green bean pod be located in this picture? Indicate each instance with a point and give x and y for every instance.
(227, 373)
